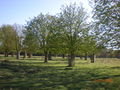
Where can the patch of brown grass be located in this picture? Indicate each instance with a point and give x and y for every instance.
(104, 80)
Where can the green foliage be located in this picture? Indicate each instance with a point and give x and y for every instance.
(73, 20)
(18, 36)
(106, 17)
(30, 43)
(7, 38)
(89, 45)
(42, 28)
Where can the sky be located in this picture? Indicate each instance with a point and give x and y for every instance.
(21, 11)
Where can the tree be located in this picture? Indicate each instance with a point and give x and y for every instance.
(30, 43)
(7, 39)
(90, 47)
(0, 39)
(42, 28)
(18, 39)
(106, 18)
(73, 19)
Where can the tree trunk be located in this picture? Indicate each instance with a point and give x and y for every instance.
(49, 56)
(25, 55)
(71, 60)
(6, 54)
(29, 55)
(63, 55)
(81, 57)
(18, 55)
(85, 56)
(46, 57)
(92, 58)
(12, 54)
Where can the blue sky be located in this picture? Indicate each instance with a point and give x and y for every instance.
(20, 11)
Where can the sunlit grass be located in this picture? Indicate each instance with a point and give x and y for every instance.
(34, 74)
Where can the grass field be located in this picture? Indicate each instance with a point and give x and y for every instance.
(33, 74)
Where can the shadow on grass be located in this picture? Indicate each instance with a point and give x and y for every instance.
(38, 75)
(116, 67)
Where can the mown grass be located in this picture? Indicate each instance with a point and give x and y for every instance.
(33, 74)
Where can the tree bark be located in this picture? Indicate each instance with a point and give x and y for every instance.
(6, 54)
(85, 56)
(92, 58)
(18, 55)
(25, 55)
(81, 57)
(12, 54)
(46, 57)
(63, 55)
(30, 55)
(71, 60)
(49, 56)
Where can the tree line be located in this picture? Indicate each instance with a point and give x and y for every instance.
(67, 33)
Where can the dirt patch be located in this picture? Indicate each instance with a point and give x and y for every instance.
(104, 80)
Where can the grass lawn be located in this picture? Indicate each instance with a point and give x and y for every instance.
(33, 74)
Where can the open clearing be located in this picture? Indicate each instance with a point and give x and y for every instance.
(33, 74)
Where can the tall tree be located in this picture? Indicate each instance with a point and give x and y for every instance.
(73, 19)
(7, 39)
(42, 28)
(18, 39)
(107, 19)
(30, 42)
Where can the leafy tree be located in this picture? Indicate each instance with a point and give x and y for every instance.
(30, 43)
(42, 28)
(18, 39)
(0, 39)
(106, 17)
(7, 39)
(73, 19)
(90, 47)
